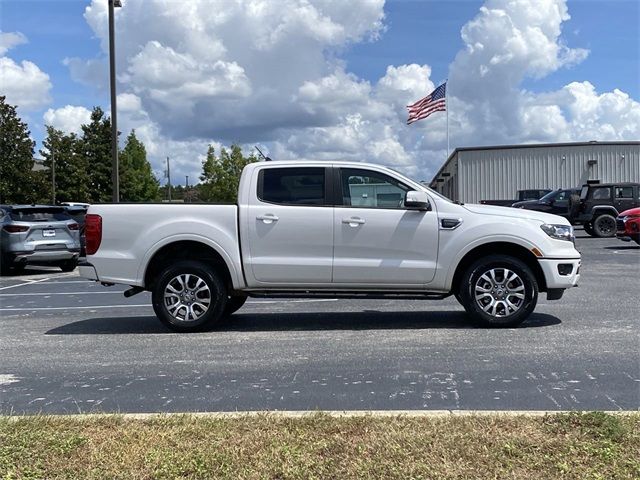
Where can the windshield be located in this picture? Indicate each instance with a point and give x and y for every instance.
(551, 195)
(38, 214)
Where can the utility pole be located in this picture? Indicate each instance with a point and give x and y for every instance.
(53, 177)
(169, 178)
(186, 188)
(115, 177)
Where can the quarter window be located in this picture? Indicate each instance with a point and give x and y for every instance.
(292, 186)
(367, 189)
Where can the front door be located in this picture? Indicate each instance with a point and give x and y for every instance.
(290, 228)
(377, 241)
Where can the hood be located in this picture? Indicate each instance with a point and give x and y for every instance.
(631, 211)
(516, 213)
(525, 202)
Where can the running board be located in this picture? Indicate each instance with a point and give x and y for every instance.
(349, 295)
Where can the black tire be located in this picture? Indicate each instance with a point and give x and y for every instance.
(234, 304)
(604, 226)
(193, 299)
(503, 290)
(69, 265)
(588, 228)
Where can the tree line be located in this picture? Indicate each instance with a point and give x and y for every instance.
(83, 166)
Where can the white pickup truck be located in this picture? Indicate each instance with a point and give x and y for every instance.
(330, 229)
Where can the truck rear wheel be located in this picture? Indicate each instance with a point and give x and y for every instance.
(604, 226)
(189, 296)
(499, 291)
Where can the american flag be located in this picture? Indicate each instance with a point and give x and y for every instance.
(434, 102)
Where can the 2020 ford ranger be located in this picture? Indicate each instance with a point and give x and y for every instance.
(339, 229)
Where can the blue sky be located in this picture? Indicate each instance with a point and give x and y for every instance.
(414, 32)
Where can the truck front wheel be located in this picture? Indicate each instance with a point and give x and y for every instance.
(499, 291)
(189, 296)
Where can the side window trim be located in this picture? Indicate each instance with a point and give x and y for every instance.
(328, 187)
(337, 188)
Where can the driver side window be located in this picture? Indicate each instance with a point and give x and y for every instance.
(367, 189)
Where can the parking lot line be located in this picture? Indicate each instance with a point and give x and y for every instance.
(31, 282)
(57, 293)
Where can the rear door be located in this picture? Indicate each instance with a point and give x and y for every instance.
(623, 197)
(290, 227)
(379, 242)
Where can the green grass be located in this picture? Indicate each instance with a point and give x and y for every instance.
(577, 446)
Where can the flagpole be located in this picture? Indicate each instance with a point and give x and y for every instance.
(447, 106)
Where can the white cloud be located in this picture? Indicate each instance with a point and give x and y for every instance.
(258, 71)
(24, 84)
(8, 40)
(69, 118)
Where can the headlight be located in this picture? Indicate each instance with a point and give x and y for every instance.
(560, 232)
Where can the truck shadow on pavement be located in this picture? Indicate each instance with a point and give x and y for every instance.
(277, 322)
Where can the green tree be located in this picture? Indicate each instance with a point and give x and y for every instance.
(71, 166)
(17, 179)
(221, 175)
(137, 182)
(95, 146)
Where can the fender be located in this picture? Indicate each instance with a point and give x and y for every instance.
(486, 240)
(236, 276)
(605, 209)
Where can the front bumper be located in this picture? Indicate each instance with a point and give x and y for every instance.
(555, 272)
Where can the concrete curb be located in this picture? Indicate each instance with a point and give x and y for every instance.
(331, 413)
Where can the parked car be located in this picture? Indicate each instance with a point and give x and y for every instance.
(523, 196)
(38, 235)
(601, 203)
(556, 202)
(628, 225)
(78, 211)
(312, 229)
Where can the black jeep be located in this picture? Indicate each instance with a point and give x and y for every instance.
(600, 204)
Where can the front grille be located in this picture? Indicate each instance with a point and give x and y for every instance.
(620, 224)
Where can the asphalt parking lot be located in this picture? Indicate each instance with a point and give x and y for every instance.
(68, 345)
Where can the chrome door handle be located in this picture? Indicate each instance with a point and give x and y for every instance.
(353, 221)
(267, 218)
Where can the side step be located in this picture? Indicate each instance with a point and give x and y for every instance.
(349, 295)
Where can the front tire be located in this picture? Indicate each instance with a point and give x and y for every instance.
(588, 228)
(604, 226)
(499, 291)
(189, 296)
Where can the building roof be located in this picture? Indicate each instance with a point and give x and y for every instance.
(527, 145)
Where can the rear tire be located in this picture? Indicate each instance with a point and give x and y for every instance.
(604, 226)
(234, 304)
(499, 291)
(189, 296)
(69, 265)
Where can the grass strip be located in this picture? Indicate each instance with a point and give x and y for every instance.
(319, 446)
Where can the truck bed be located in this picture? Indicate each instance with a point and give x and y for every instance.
(131, 233)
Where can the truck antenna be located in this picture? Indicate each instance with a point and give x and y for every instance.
(266, 159)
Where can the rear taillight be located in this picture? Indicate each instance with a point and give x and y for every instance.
(92, 232)
(15, 228)
(73, 226)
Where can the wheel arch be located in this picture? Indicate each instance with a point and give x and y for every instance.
(499, 248)
(605, 209)
(187, 249)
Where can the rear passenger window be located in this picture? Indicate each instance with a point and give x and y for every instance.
(624, 192)
(292, 186)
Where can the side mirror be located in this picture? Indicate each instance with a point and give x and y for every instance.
(416, 200)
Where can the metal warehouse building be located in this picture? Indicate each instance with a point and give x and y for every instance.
(497, 173)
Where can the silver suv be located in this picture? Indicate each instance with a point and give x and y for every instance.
(38, 235)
